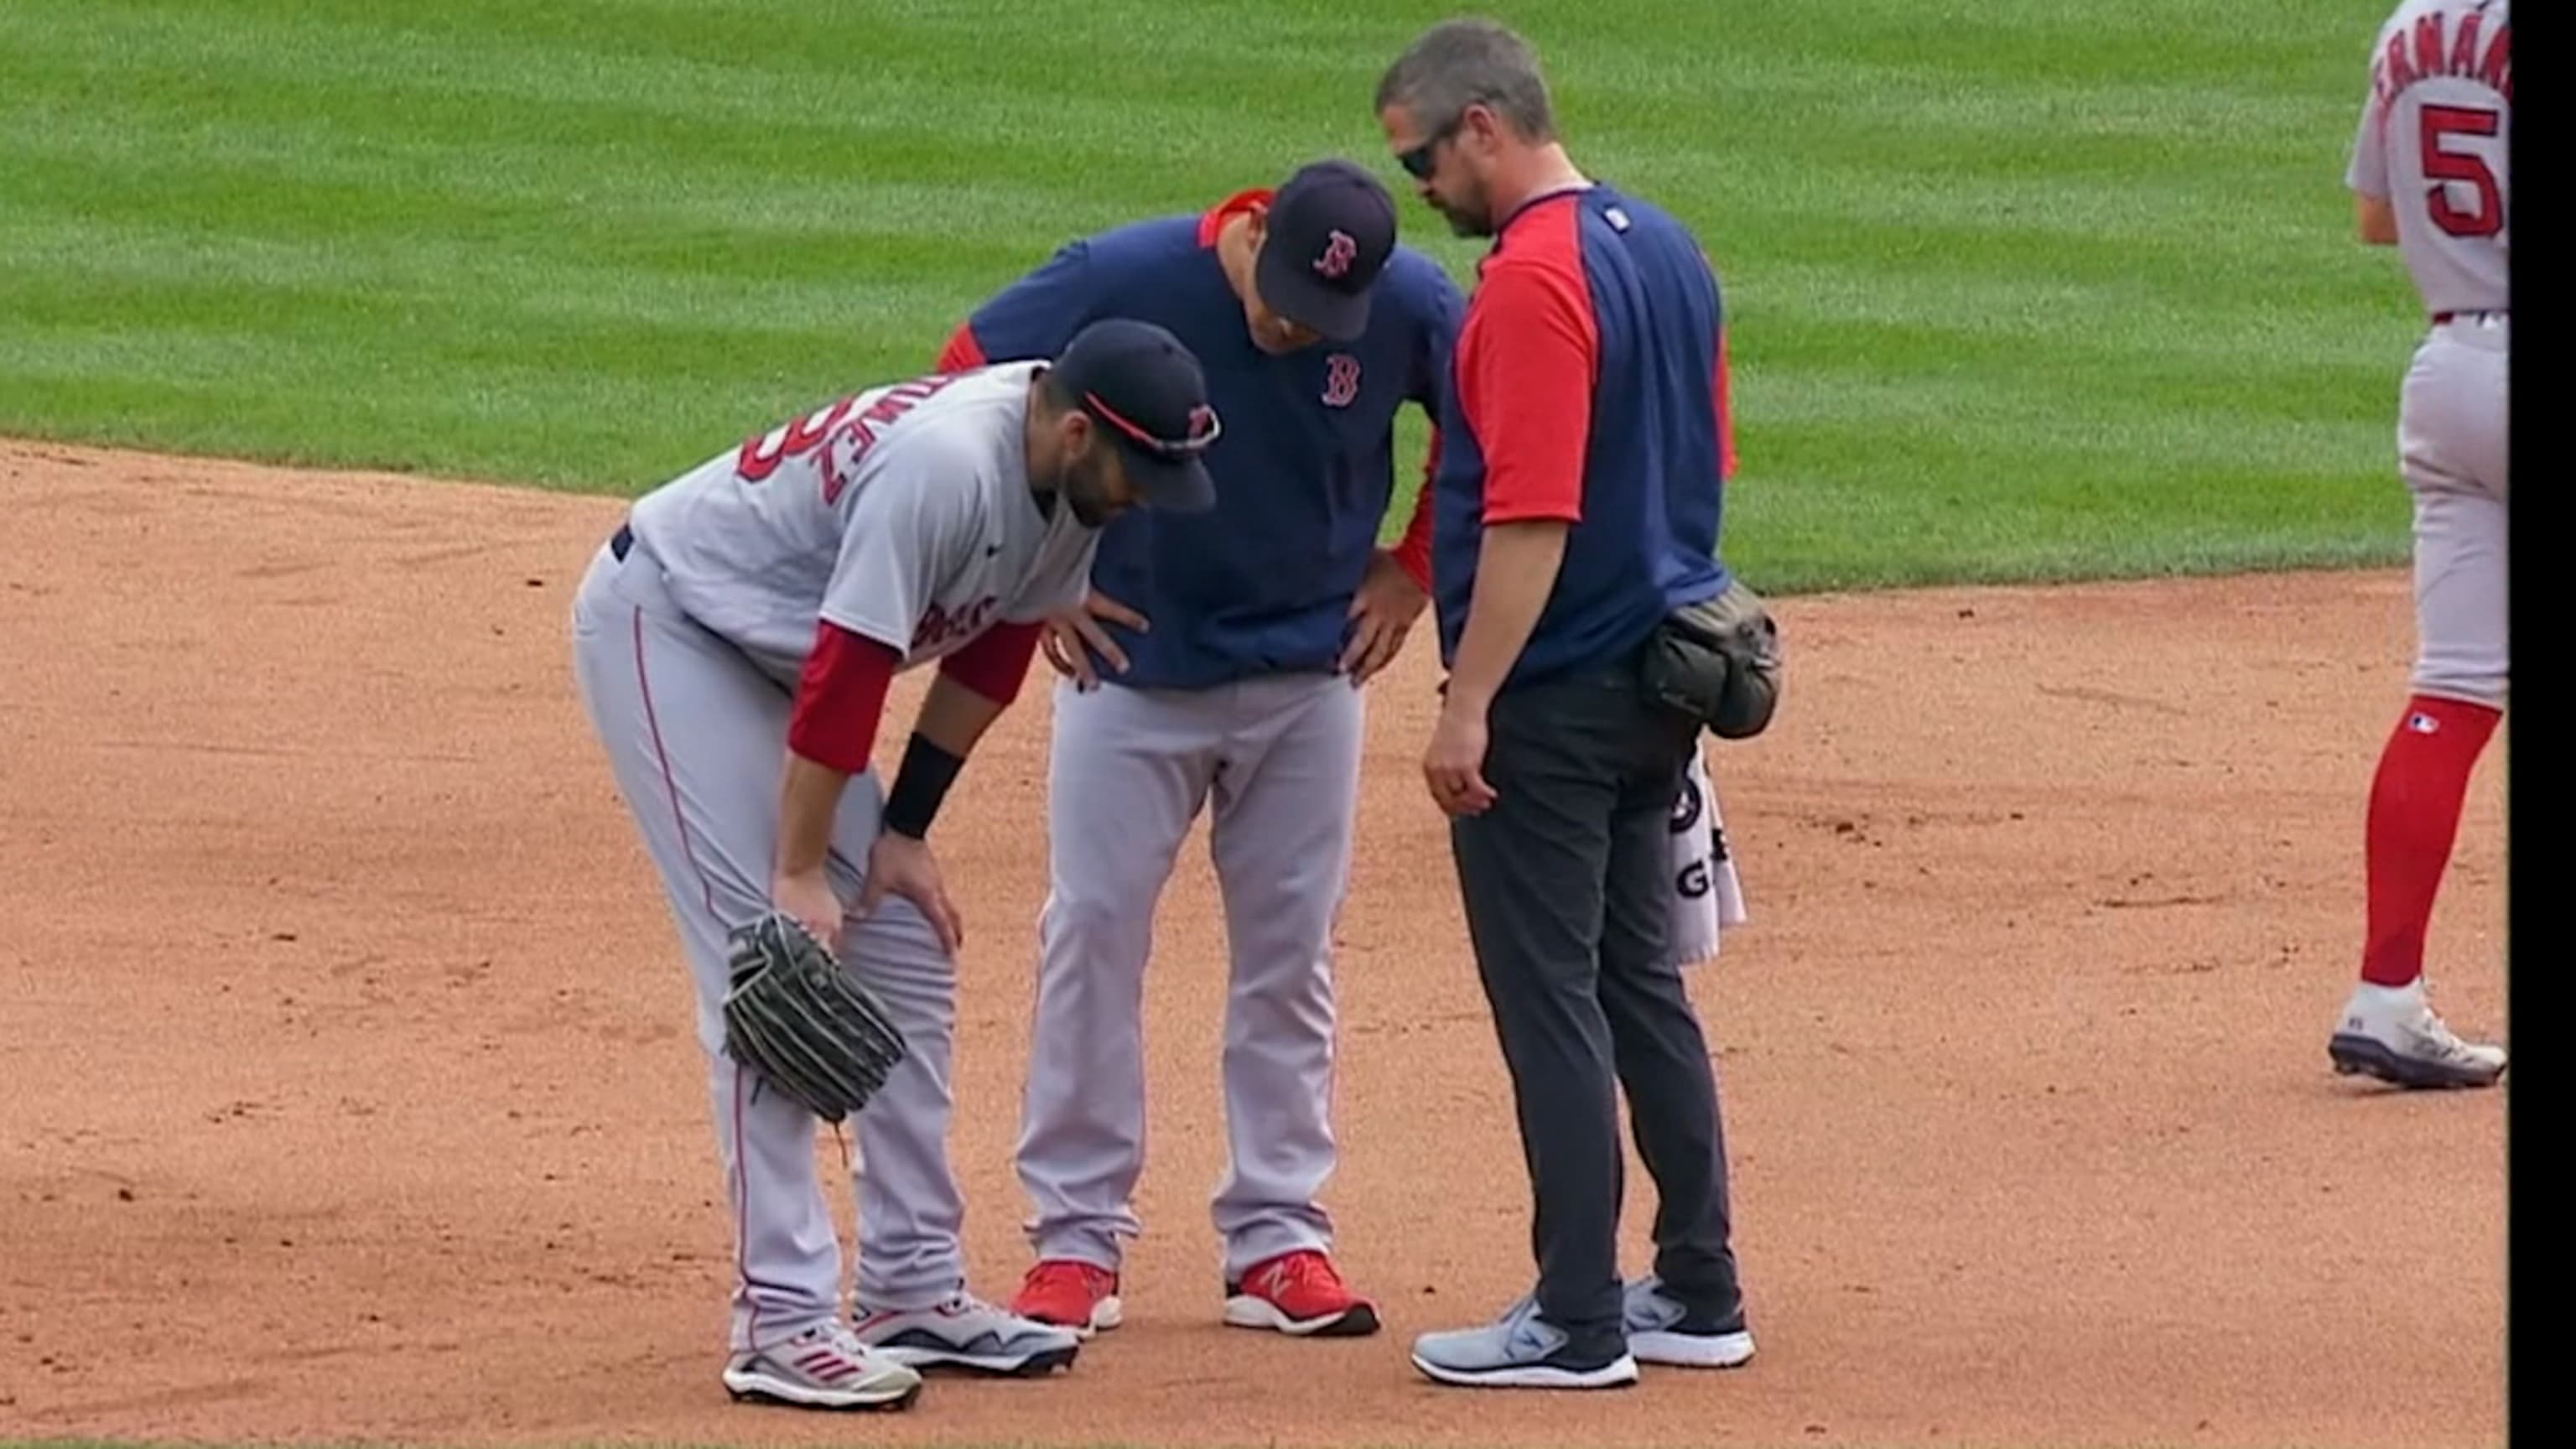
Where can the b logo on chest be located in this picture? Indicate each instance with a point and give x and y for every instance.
(939, 628)
(1341, 380)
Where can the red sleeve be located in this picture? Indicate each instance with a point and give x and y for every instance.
(1526, 362)
(962, 352)
(1413, 551)
(840, 698)
(995, 662)
(1725, 414)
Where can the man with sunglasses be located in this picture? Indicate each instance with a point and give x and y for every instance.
(1579, 494)
(1217, 665)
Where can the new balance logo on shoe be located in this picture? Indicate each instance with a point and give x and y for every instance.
(1299, 1294)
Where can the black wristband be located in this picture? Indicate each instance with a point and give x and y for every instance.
(919, 786)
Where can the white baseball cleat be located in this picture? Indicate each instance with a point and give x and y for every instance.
(966, 1332)
(825, 1367)
(2393, 1034)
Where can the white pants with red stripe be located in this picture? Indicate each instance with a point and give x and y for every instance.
(696, 736)
(1276, 762)
(2452, 441)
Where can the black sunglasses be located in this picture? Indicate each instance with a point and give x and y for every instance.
(1417, 162)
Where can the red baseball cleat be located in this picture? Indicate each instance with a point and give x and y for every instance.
(1071, 1294)
(1299, 1293)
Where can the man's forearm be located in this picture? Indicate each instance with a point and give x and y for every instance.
(1516, 567)
(2375, 218)
(808, 802)
(954, 717)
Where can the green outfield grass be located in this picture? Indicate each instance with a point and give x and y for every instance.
(2024, 289)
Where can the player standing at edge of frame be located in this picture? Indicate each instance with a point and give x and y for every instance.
(1232, 646)
(2429, 174)
(734, 643)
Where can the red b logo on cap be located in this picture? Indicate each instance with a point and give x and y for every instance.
(1338, 254)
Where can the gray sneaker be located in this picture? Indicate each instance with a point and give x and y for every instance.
(822, 1368)
(1662, 1331)
(966, 1332)
(1520, 1350)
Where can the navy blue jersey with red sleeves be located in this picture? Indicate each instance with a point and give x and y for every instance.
(1589, 386)
(1305, 469)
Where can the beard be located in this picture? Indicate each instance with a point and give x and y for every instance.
(1467, 214)
(1467, 223)
(1084, 486)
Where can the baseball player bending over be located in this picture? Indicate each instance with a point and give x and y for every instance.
(2430, 176)
(734, 643)
(1232, 646)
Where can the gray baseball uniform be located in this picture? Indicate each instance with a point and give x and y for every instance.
(2434, 142)
(902, 514)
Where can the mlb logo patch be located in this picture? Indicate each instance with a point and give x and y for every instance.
(2422, 723)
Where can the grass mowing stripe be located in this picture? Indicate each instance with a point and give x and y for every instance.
(2016, 287)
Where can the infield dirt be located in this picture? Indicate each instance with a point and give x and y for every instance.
(351, 1096)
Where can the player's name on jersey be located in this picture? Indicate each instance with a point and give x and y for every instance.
(2448, 43)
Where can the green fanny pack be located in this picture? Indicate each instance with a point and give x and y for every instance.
(1718, 662)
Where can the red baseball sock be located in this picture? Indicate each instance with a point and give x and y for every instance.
(2415, 804)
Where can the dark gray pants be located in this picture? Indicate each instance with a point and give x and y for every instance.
(1566, 880)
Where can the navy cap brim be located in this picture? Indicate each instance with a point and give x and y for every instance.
(1287, 290)
(1169, 485)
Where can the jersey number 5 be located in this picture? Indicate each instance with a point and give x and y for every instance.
(2442, 167)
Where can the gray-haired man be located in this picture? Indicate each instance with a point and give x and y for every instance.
(1584, 441)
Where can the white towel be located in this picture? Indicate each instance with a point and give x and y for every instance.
(1706, 891)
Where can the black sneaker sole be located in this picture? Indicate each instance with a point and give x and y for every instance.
(2355, 1055)
(935, 1360)
(1620, 1373)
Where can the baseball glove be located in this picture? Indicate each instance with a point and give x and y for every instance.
(793, 1014)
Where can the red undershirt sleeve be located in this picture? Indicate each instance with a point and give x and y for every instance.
(1413, 551)
(963, 353)
(1725, 414)
(1527, 359)
(840, 698)
(996, 662)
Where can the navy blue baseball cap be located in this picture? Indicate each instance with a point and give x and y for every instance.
(1331, 228)
(1146, 390)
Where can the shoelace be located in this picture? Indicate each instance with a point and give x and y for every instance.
(967, 1303)
(841, 1340)
(1304, 1270)
(2438, 1032)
